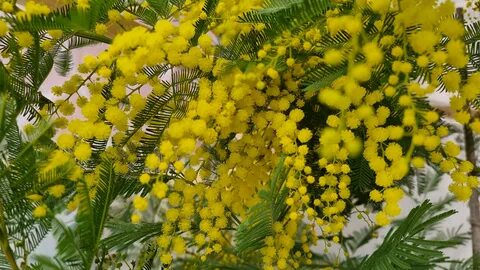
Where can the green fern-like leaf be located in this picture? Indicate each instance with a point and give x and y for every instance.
(261, 217)
(125, 234)
(405, 247)
(428, 180)
(161, 7)
(358, 239)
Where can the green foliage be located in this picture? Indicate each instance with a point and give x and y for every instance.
(262, 216)
(277, 16)
(428, 180)
(358, 238)
(201, 25)
(19, 151)
(125, 234)
(79, 244)
(159, 110)
(95, 233)
(406, 247)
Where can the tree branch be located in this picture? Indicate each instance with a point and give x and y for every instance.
(473, 203)
(4, 241)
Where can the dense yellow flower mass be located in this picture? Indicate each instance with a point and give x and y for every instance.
(235, 114)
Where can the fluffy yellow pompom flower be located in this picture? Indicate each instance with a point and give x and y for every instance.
(40, 211)
(272, 73)
(205, 41)
(296, 115)
(431, 116)
(333, 57)
(144, 178)
(397, 51)
(373, 54)
(452, 28)
(166, 149)
(361, 73)
(179, 246)
(178, 165)
(199, 127)
(462, 117)
(163, 166)
(166, 258)
(135, 218)
(172, 214)
(90, 111)
(159, 189)
(393, 151)
(117, 117)
(56, 191)
(462, 193)
(384, 179)
(152, 161)
(353, 25)
(380, 6)
(90, 62)
(165, 27)
(114, 15)
(452, 81)
(34, 197)
(409, 118)
(102, 131)
(304, 135)
(140, 203)
(382, 219)
(137, 101)
(475, 126)
(83, 4)
(25, 39)
(431, 142)
(119, 89)
(466, 166)
(418, 162)
(333, 99)
(452, 149)
(376, 196)
(405, 100)
(104, 71)
(392, 209)
(101, 29)
(422, 61)
(7, 7)
(333, 121)
(176, 130)
(186, 146)
(66, 141)
(424, 41)
(456, 53)
(82, 151)
(393, 195)
(3, 28)
(55, 34)
(186, 30)
(395, 132)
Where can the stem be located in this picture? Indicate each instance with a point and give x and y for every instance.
(473, 203)
(4, 243)
(93, 36)
(78, 88)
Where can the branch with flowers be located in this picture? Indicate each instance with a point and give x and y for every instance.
(211, 134)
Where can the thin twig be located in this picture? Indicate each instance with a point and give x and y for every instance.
(4, 241)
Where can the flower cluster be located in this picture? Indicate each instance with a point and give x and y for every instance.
(231, 118)
(391, 149)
